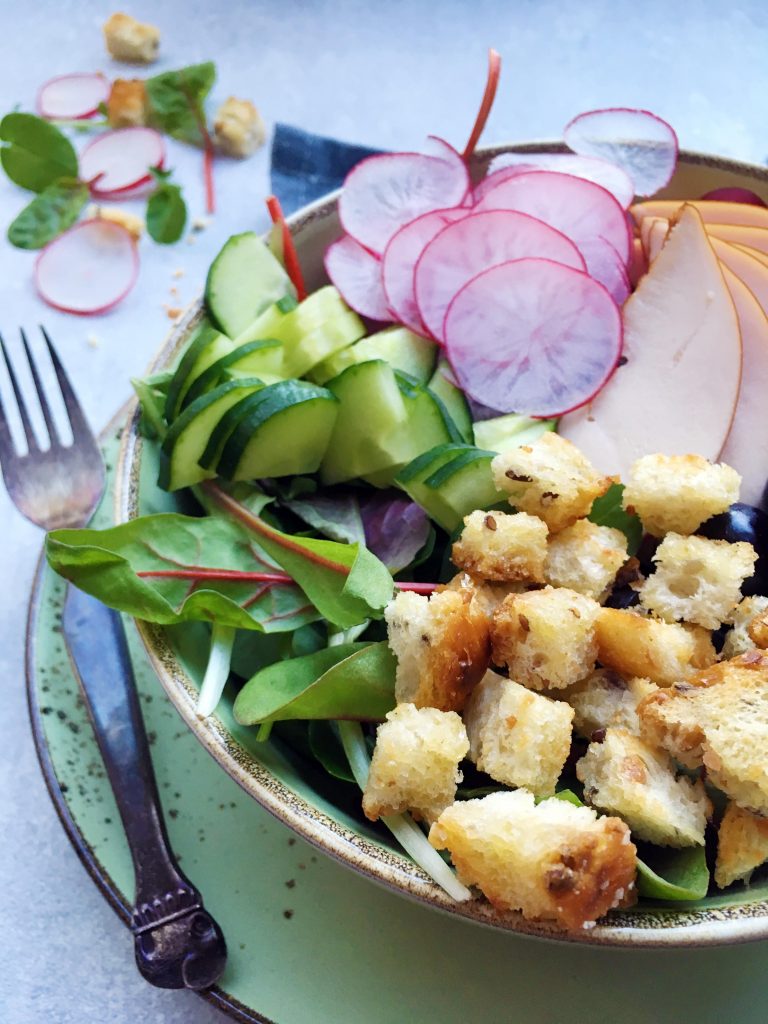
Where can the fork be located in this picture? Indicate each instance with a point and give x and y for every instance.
(177, 942)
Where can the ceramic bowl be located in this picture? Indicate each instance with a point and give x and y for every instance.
(300, 799)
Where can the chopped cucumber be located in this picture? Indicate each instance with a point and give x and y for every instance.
(312, 348)
(461, 486)
(262, 359)
(190, 432)
(412, 478)
(285, 433)
(244, 279)
(442, 384)
(206, 345)
(398, 346)
(505, 432)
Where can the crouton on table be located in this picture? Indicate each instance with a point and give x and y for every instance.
(130, 40)
(238, 128)
(127, 103)
(502, 547)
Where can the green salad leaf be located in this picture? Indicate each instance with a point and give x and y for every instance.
(607, 511)
(325, 745)
(54, 210)
(175, 100)
(668, 874)
(348, 681)
(166, 210)
(36, 153)
(154, 568)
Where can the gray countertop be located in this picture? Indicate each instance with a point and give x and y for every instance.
(381, 73)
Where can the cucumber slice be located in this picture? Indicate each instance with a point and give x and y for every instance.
(312, 348)
(285, 433)
(244, 279)
(224, 429)
(205, 346)
(398, 346)
(412, 478)
(461, 486)
(452, 397)
(189, 433)
(505, 432)
(262, 359)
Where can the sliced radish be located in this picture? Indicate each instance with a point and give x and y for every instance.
(591, 168)
(72, 97)
(638, 141)
(495, 176)
(607, 267)
(119, 161)
(384, 192)
(357, 275)
(89, 268)
(533, 336)
(465, 248)
(400, 258)
(580, 209)
(735, 195)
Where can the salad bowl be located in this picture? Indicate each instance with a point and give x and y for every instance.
(303, 799)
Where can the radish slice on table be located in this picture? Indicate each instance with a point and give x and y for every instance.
(534, 337)
(357, 275)
(384, 192)
(72, 97)
(607, 267)
(638, 141)
(590, 168)
(89, 268)
(580, 209)
(735, 195)
(464, 249)
(400, 258)
(119, 161)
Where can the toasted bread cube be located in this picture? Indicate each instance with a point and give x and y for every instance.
(624, 776)
(677, 493)
(606, 699)
(415, 763)
(742, 845)
(546, 638)
(131, 41)
(502, 547)
(696, 579)
(549, 478)
(442, 646)
(719, 719)
(585, 558)
(133, 224)
(485, 597)
(238, 128)
(663, 652)
(518, 737)
(127, 103)
(746, 619)
(552, 861)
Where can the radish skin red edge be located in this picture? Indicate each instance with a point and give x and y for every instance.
(73, 97)
(356, 273)
(119, 162)
(591, 168)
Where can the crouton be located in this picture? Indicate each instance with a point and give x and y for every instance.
(552, 861)
(442, 646)
(518, 737)
(677, 493)
(606, 699)
(484, 597)
(133, 224)
(546, 638)
(719, 719)
(742, 845)
(238, 128)
(549, 478)
(415, 763)
(746, 619)
(624, 776)
(127, 103)
(585, 558)
(131, 41)
(696, 579)
(758, 630)
(663, 652)
(501, 547)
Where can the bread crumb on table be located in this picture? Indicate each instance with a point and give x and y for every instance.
(131, 41)
(238, 128)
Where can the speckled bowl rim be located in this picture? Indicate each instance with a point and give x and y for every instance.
(652, 927)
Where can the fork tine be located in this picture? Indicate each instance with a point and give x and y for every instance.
(77, 421)
(42, 398)
(8, 453)
(23, 414)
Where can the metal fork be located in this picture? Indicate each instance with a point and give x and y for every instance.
(177, 943)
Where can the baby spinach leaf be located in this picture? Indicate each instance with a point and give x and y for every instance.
(607, 511)
(54, 210)
(326, 747)
(667, 874)
(37, 153)
(175, 100)
(166, 213)
(155, 569)
(335, 515)
(349, 681)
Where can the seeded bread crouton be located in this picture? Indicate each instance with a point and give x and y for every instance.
(415, 763)
(518, 737)
(501, 547)
(606, 699)
(719, 719)
(546, 638)
(742, 845)
(677, 493)
(746, 619)
(625, 776)
(238, 128)
(442, 646)
(552, 861)
(131, 41)
(585, 558)
(696, 579)
(127, 103)
(485, 597)
(663, 652)
(549, 478)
